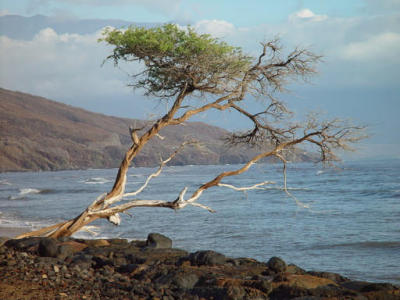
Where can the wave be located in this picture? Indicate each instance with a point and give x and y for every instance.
(97, 180)
(4, 182)
(30, 191)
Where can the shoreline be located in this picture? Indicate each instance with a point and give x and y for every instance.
(70, 268)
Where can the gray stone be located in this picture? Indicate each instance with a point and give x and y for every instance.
(64, 250)
(48, 247)
(208, 258)
(276, 264)
(186, 281)
(158, 241)
(23, 244)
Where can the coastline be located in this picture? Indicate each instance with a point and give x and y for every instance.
(69, 268)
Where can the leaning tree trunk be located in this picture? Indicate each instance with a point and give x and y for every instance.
(100, 207)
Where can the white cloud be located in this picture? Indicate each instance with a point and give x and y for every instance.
(306, 15)
(379, 48)
(59, 66)
(217, 28)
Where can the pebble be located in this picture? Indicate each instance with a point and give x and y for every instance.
(122, 270)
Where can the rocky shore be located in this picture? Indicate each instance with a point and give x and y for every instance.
(67, 268)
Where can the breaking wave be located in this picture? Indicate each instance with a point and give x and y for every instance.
(97, 180)
(30, 191)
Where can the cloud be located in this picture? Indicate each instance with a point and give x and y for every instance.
(59, 66)
(306, 15)
(382, 47)
(217, 28)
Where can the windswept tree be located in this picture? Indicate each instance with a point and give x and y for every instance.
(196, 73)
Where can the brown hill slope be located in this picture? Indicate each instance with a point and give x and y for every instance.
(40, 134)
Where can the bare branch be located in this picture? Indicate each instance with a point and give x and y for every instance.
(253, 187)
(298, 202)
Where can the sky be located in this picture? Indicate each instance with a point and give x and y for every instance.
(359, 77)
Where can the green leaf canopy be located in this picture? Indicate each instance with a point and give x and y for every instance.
(176, 58)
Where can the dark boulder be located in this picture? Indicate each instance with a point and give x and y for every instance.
(276, 264)
(158, 241)
(25, 244)
(48, 247)
(208, 258)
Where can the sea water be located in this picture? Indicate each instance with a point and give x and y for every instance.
(350, 225)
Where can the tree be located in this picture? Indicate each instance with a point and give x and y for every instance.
(181, 66)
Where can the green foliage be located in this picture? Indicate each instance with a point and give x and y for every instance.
(175, 58)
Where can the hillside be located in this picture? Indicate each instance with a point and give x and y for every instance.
(40, 134)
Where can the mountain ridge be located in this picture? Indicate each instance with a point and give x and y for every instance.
(38, 134)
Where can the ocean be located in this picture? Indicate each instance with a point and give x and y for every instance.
(351, 227)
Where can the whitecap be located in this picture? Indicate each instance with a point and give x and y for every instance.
(24, 192)
(27, 191)
(97, 180)
(319, 172)
(4, 182)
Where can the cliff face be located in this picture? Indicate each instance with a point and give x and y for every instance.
(40, 134)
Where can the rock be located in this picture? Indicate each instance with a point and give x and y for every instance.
(101, 261)
(158, 241)
(361, 286)
(63, 251)
(84, 261)
(293, 269)
(285, 291)
(3, 239)
(133, 259)
(48, 247)
(211, 292)
(276, 264)
(328, 275)
(23, 244)
(235, 293)
(129, 268)
(208, 258)
(97, 243)
(118, 242)
(186, 281)
(263, 285)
